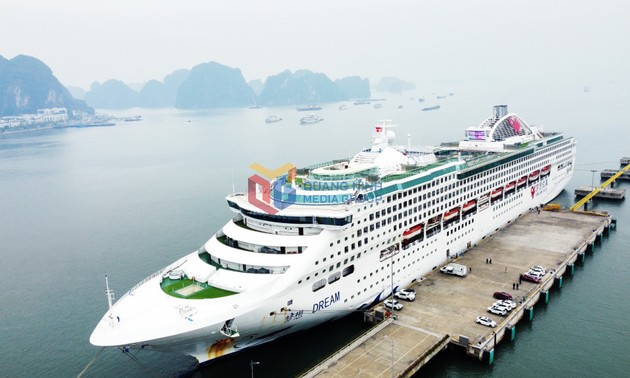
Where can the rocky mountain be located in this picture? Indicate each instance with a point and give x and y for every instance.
(257, 85)
(27, 84)
(112, 94)
(213, 85)
(354, 87)
(394, 85)
(156, 94)
(301, 87)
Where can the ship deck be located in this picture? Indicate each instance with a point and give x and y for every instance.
(190, 289)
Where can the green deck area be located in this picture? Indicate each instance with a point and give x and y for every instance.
(189, 289)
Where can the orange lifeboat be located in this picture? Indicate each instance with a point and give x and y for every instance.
(412, 232)
(469, 206)
(496, 193)
(545, 171)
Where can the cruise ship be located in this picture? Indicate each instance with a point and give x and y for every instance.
(339, 237)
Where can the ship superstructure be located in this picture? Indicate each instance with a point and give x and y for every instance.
(346, 234)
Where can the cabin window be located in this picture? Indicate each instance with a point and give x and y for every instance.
(347, 270)
(317, 285)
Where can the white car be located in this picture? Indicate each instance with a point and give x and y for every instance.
(498, 310)
(408, 295)
(502, 304)
(393, 304)
(484, 320)
(536, 274)
(537, 268)
(510, 304)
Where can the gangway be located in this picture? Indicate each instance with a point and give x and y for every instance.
(592, 194)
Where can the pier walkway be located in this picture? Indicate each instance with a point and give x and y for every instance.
(446, 306)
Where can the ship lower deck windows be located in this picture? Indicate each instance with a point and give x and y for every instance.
(318, 285)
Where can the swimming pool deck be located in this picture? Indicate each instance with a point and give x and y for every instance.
(446, 306)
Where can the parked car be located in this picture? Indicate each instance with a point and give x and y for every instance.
(498, 310)
(536, 274)
(530, 278)
(502, 295)
(484, 320)
(408, 295)
(393, 304)
(538, 268)
(509, 303)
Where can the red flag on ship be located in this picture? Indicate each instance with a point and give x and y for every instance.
(379, 129)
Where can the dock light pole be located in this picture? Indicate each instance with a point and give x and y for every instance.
(251, 365)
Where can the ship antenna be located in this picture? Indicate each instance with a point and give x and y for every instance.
(110, 299)
(409, 140)
(233, 187)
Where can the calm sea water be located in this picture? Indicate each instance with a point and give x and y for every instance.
(77, 204)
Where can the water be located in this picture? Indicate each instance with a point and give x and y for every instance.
(127, 200)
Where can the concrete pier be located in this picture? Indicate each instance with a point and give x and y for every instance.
(608, 173)
(446, 306)
(607, 193)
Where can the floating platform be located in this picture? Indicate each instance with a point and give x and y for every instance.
(608, 173)
(443, 314)
(607, 193)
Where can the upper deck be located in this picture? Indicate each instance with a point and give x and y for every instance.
(385, 167)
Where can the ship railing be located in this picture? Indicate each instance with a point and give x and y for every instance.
(158, 273)
(413, 172)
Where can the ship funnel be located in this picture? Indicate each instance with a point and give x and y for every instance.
(500, 111)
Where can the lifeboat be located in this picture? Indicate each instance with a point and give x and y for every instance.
(496, 193)
(534, 175)
(545, 171)
(451, 214)
(521, 182)
(469, 206)
(510, 186)
(412, 232)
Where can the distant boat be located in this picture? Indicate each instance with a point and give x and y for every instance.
(441, 97)
(273, 118)
(587, 89)
(255, 107)
(378, 105)
(431, 108)
(343, 107)
(451, 94)
(421, 99)
(133, 118)
(311, 118)
(308, 108)
(362, 102)
(400, 106)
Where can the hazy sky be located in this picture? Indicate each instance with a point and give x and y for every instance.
(420, 41)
